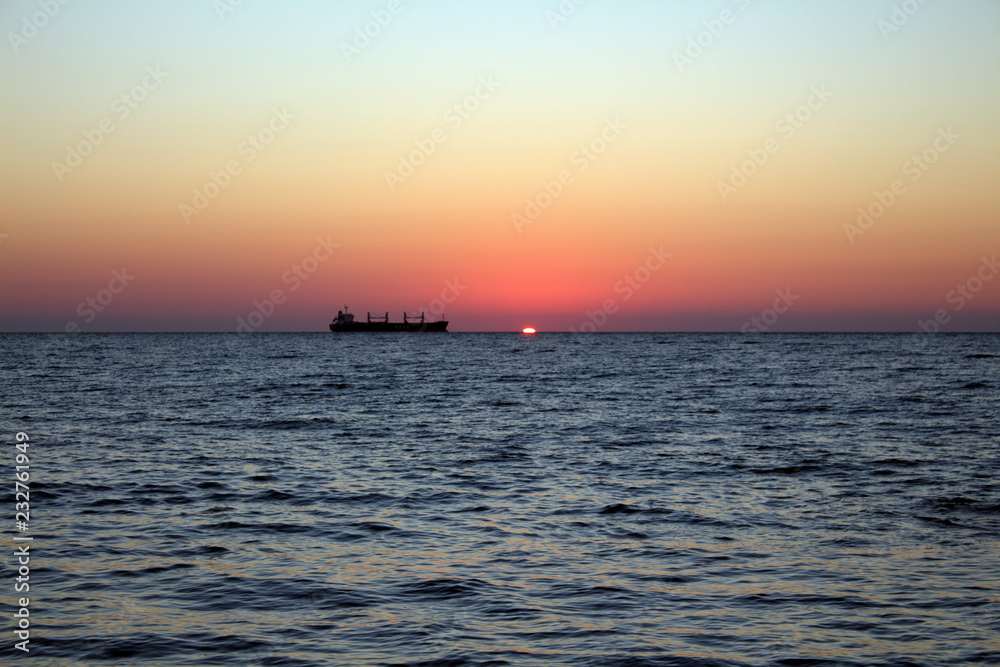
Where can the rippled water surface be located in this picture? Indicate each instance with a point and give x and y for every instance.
(498, 499)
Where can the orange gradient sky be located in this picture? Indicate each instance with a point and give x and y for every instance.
(624, 166)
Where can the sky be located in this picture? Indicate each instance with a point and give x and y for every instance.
(573, 165)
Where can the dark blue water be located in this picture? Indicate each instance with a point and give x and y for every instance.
(497, 499)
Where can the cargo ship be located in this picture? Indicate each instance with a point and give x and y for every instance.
(345, 322)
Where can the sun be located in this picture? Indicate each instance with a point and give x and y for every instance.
(528, 330)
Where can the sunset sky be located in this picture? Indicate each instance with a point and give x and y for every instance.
(631, 166)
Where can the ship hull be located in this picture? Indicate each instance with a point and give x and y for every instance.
(390, 327)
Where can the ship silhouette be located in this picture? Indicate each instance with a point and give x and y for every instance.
(344, 322)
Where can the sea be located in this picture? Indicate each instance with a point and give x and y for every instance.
(494, 499)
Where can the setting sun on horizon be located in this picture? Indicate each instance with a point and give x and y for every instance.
(598, 166)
